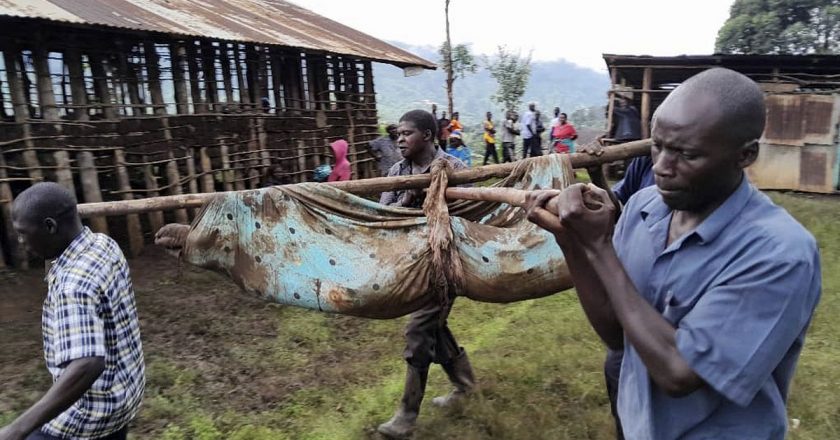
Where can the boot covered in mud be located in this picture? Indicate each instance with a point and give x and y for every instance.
(461, 375)
(404, 421)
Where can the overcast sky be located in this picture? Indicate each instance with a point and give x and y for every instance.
(578, 31)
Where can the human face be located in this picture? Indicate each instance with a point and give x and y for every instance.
(696, 167)
(34, 237)
(411, 141)
(562, 119)
(455, 142)
(489, 116)
(393, 133)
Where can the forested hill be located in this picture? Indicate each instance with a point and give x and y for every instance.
(552, 83)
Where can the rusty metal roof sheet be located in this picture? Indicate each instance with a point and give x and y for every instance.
(797, 120)
(274, 22)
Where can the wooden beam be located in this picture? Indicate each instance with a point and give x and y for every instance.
(153, 69)
(371, 186)
(276, 80)
(177, 55)
(100, 86)
(132, 221)
(208, 63)
(242, 70)
(75, 69)
(195, 87)
(128, 72)
(227, 79)
(90, 188)
(46, 95)
(647, 83)
(253, 62)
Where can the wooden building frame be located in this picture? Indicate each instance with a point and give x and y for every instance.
(799, 149)
(117, 114)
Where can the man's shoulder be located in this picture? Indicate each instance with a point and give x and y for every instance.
(642, 198)
(770, 223)
(396, 169)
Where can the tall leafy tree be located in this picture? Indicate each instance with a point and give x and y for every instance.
(511, 72)
(781, 27)
(457, 61)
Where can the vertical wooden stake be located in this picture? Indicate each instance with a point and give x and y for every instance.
(227, 174)
(132, 221)
(90, 187)
(192, 182)
(302, 177)
(242, 69)
(198, 102)
(73, 60)
(100, 85)
(208, 61)
(16, 255)
(153, 70)
(177, 54)
(174, 180)
(207, 184)
(647, 83)
(155, 217)
(224, 60)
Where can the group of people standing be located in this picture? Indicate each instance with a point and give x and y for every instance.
(562, 134)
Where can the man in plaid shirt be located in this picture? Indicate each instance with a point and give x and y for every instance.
(91, 333)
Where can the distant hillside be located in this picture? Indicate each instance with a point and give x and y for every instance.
(554, 83)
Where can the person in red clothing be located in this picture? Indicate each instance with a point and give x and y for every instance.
(564, 135)
(341, 170)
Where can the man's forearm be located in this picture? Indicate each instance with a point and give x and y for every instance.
(653, 337)
(77, 378)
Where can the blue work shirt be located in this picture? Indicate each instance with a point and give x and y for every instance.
(639, 174)
(463, 152)
(740, 289)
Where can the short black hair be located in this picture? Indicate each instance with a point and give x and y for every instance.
(422, 120)
(739, 99)
(45, 200)
(564, 115)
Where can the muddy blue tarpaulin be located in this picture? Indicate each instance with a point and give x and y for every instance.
(317, 247)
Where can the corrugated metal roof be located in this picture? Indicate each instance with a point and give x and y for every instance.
(798, 120)
(274, 22)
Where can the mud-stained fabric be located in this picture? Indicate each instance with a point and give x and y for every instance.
(318, 247)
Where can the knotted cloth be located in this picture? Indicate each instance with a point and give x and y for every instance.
(315, 246)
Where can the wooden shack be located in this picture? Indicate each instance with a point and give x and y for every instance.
(799, 149)
(125, 99)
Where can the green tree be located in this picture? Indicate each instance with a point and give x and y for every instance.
(457, 61)
(511, 72)
(781, 27)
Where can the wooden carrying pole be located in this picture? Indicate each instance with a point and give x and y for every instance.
(366, 186)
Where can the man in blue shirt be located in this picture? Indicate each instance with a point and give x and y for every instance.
(707, 285)
(458, 149)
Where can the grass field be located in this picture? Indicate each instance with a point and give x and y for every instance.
(224, 366)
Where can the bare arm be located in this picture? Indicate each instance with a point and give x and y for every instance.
(653, 337)
(77, 378)
(590, 290)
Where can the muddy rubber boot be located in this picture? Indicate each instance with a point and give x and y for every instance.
(461, 375)
(404, 421)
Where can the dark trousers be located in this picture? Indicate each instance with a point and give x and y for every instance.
(508, 152)
(490, 149)
(532, 147)
(612, 372)
(119, 435)
(428, 339)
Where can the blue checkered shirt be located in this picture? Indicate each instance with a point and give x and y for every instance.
(89, 312)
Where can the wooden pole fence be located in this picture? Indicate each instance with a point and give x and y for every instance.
(367, 186)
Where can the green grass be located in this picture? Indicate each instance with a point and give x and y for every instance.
(224, 367)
